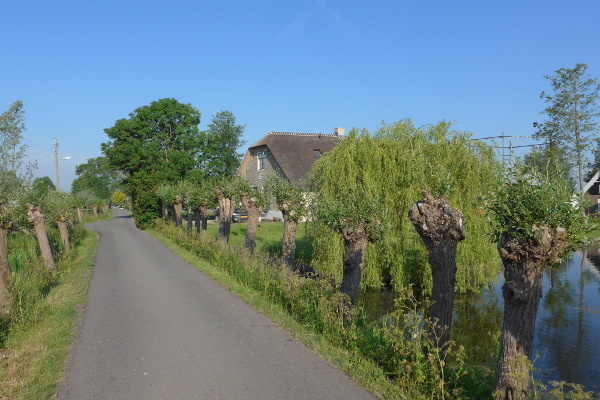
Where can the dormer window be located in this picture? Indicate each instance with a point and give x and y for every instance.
(261, 160)
(317, 153)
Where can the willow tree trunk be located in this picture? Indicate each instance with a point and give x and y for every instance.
(204, 219)
(38, 220)
(288, 242)
(225, 214)
(355, 246)
(189, 221)
(441, 228)
(524, 260)
(95, 208)
(64, 234)
(105, 208)
(79, 214)
(5, 297)
(164, 210)
(254, 212)
(178, 212)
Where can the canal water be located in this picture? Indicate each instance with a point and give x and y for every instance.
(567, 332)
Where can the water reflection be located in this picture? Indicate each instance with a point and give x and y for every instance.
(568, 322)
(567, 335)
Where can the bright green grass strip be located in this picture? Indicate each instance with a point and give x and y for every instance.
(33, 362)
(365, 372)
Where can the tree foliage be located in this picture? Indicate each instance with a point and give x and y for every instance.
(526, 201)
(41, 186)
(388, 170)
(221, 141)
(571, 114)
(12, 153)
(158, 143)
(97, 176)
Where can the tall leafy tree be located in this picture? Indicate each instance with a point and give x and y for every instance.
(158, 143)
(221, 141)
(97, 176)
(13, 172)
(41, 186)
(390, 168)
(571, 113)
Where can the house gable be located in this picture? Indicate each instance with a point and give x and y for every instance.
(293, 154)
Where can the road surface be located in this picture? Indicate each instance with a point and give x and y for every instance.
(156, 328)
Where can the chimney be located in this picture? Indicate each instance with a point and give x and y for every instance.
(338, 131)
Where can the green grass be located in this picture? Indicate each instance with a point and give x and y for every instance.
(35, 345)
(268, 238)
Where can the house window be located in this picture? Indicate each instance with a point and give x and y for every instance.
(317, 153)
(261, 160)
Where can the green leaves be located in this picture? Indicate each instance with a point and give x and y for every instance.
(526, 201)
(572, 114)
(290, 199)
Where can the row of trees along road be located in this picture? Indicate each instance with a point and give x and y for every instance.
(28, 207)
(161, 143)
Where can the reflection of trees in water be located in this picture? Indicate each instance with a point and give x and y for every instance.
(563, 331)
(476, 326)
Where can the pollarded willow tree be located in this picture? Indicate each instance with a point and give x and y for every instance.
(254, 201)
(291, 201)
(537, 224)
(441, 227)
(13, 213)
(225, 191)
(392, 167)
(353, 214)
(201, 198)
(60, 208)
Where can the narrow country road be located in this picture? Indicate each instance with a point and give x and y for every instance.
(156, 328)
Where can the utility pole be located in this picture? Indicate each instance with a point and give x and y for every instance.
(56, 163)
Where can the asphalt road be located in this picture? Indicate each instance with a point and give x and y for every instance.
(156, 328)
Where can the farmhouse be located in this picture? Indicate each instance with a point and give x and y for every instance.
(290, 154)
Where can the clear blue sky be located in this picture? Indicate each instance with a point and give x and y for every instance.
(301, 66)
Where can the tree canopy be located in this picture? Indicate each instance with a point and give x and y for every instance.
(158, 143)
(571, 114)
(388, 170)
(221, 141)
(12, 152)
(97, 176)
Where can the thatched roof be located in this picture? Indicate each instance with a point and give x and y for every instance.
(296, 152)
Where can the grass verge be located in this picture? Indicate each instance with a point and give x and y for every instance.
(33, 361)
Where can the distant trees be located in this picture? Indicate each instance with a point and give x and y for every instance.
(41, 186)
(571, 118)
(96, 176)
